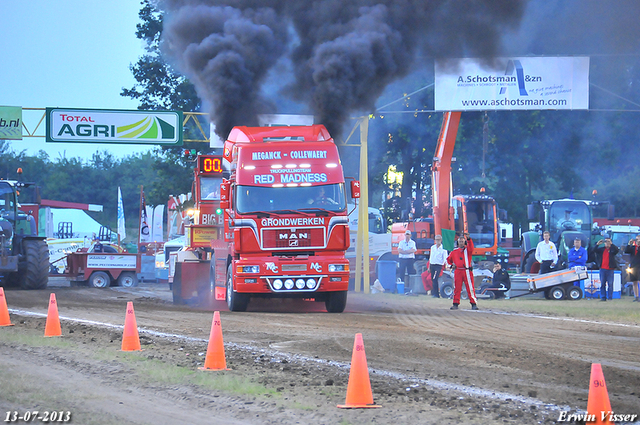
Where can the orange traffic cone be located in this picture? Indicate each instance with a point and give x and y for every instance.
(5, 320)
(359, 393)
(52, 327)
(130, 338)
(215, 359)
(598, 403)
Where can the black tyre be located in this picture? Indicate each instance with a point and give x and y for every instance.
(547, 294)
(99, 280)
(128, 280)
(235, 301)
(33, 273)
(574, 293)
(446, 290)
(528, 263)
(336, 302)
(557, 293)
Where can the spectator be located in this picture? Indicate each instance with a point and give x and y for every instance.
(406, 255)
(577, 255)
(546, 254)
(501, 281)
(633, 248)
(437, 260)
(607, 261)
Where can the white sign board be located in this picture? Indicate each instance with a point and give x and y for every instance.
(526, 83)
(114, 126)
(111, 261)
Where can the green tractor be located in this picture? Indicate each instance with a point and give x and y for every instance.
(24, 256)
(565, 220)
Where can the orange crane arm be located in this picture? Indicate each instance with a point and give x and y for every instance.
(441, 172)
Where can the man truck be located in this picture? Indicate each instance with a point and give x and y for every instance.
(280, 227)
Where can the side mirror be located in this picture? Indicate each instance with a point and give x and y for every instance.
(355, 189)
(225, 190)
(531, 212)
(502, 214)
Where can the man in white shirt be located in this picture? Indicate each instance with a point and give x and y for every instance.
(437, 258)
(546, 254)
(406, 255)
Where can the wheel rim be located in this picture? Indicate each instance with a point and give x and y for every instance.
(574, 294)
(99, 282)
(127, 282)
(557, 294)
(229, 290)
(448, 290)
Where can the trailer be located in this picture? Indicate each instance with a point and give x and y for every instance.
(556, 285)
(102, 269)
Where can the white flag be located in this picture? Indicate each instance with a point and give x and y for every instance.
(122, 232)
(145, 229)
(158, 223)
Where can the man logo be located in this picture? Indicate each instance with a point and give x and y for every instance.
(293, 236)
(293, 242)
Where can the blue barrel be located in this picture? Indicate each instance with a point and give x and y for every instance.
(387, 274)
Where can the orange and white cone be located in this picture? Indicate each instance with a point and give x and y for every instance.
(130, 337)
(5, 320)
(52, 327)
(215, 359)
(598, 403)
(359, 395)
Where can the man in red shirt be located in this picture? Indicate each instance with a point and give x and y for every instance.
(460, 258)
(608, 264)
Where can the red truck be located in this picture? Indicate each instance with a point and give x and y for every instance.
(284, 227)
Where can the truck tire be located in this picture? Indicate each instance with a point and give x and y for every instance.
(336, 302)
(235, 301)
(574, 293)
(528, 263)
(36, 274)
(99, 280)
(557, 293)
(128, 280)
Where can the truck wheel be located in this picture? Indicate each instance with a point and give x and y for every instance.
(128, 280)
(99, 280)
(34, 273)
(574, 293)
(336, 302)
(557, 293)
(235, 301)
(528, 263)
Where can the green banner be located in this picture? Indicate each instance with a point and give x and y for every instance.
(10, 123)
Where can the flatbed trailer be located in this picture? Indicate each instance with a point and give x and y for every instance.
(101, 269)
(556, 285)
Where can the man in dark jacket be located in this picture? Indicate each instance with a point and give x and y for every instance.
(633, 249)
(608, 264)
(501, 281)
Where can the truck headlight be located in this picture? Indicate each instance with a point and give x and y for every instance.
(338, 267)
(248, 269)
(311, 283)
(288, 283)
(277, 284)
(300, 283)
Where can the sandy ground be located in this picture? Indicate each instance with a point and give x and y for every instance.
(427, 364)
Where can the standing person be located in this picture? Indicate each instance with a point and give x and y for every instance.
(607, 259)
(460, 258)
(578, 254)
(406, 255)
(437, 260)
(634, 250)
(546, 254)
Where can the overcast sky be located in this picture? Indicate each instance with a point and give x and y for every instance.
(71, 53)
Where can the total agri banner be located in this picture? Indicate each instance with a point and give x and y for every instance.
(526, 83)
(114, 126)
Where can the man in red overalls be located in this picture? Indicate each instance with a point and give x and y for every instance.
(460, 258)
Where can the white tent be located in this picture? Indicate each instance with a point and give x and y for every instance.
(82, 225)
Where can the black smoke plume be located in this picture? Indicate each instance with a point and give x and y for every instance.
(343, 53)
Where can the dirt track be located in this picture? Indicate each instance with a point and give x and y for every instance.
(428, 364)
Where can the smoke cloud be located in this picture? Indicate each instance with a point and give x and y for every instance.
(343, 54)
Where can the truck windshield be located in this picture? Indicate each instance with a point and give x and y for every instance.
(569, 216)
(210, 188)
(330, 197)
(480, 223)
